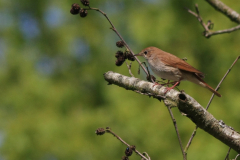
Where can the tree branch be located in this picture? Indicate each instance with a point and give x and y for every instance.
(126, 45)
(224, 31)
(178, 135)
(208, 105)
(186, 104)
(218, 5)
(227, 11)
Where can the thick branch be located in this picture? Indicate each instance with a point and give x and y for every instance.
(229, 12)
(185, 104)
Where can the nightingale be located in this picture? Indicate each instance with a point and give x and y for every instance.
(170, 67)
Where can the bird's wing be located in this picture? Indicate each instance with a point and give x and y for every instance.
(180, 64)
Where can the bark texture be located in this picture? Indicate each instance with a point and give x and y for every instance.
(186, 104)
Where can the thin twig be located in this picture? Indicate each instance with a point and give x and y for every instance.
(190, 140)
(218, 86)
(145, 154)
(207, 33)
(126, 45)
(227, 156)
(227, 11)
(129, 68)
(145, 66)
(119, 138)
(149, 76)
(237, 156)
(197, 15)
(224, 31)
(178, 135)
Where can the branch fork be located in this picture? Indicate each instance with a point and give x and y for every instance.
(233, 15)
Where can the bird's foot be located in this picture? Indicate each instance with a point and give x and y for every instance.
(167, 84)
(156, 83)
(169, 88)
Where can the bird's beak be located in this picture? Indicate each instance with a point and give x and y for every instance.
(139, 54)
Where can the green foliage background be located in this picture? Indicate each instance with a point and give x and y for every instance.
(53, 96)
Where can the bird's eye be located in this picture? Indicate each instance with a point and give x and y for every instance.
(145, 52)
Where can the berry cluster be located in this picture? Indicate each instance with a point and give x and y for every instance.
(76, 9)
(122, 56)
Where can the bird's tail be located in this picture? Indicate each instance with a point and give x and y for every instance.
(212, 90)
(204, 84)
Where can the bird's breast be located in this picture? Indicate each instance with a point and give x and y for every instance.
(164, 71)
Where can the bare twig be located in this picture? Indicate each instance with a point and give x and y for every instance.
(237, 156)
(145, 154)
(119, 138)
(126, 45)
(210, 25)
(129, 68)
(145, 66)
(176, 129)
(227, 156)
(190, 140)
(197, 15)
(227, 11)
(207, 33)
(223, 31)
(218, 86)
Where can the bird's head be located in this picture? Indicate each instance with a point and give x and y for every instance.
(147, 52)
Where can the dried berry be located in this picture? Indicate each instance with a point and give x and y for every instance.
(83, 13)
(120, 44)
(85, 2)
(100, 131)
(119, 62)
(75, 9)
(128, 151)
(119, 54)
(129, 56)
(120, 58)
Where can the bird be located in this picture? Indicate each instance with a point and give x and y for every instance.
(170, 67)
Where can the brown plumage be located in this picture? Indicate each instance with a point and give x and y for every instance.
(170, 67)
